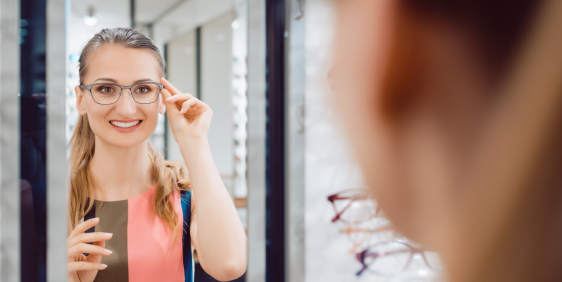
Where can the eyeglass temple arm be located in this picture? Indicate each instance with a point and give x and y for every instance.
(365, 254)
(367, 236)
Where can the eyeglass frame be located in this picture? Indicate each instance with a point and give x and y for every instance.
(130, 87)
(410, 249)
(335, 197)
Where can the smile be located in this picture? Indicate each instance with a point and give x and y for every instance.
(125, 124)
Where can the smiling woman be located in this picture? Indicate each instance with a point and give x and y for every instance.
(125, 199)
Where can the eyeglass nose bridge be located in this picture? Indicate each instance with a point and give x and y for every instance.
(130, 87)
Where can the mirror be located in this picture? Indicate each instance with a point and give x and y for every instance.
(204, 47)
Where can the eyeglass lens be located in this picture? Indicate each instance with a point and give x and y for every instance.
(109, 93)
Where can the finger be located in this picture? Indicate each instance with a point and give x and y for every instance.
(187, 105)
(171, 108)
(179, 97)
(84, 248)
(96, 257)
(199, 107)
(89, 238)
(201, 110)
(82, 265)
(82, 227)
(165, 94)
(173, 90)
(100, 244)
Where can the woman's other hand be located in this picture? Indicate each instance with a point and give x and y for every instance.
(83, 268)
(189, 117)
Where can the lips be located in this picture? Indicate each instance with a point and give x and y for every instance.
(125, 126)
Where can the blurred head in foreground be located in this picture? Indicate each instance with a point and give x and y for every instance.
(452, 110)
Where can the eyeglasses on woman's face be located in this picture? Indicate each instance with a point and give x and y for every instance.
(106, 93)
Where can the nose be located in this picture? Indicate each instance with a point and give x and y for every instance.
(126, 105)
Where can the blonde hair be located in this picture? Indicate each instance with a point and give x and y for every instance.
(169, 176)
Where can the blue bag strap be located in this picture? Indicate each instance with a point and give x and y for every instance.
(186, 238)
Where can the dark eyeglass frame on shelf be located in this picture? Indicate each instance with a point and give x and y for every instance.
(362, 256)
(360, 194)
(130, 87)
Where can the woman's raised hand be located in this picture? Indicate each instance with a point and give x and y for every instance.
(83, 268)
(189, 117)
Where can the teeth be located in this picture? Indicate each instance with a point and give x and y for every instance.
(125, 124)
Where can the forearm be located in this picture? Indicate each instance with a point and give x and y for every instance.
(221, 238)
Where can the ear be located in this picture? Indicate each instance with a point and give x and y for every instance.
(79, 100)
(161, 105)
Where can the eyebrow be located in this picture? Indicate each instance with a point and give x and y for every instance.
(115, 81)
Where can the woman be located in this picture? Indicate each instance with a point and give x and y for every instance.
(134, 204)
(452, 110)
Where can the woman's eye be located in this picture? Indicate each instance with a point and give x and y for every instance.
(106, 89)
(142, 90)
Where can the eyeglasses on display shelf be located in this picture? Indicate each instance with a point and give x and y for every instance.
(374, 242)
(361, 236)
(395, 257)
(353, 206)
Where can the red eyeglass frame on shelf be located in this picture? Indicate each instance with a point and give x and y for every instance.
(357, 194)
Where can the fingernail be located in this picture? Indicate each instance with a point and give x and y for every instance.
(107, 251)
(108, 235)
(103, 266)
(95, 219)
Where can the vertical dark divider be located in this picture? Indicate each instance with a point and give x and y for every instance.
(33, 140)
(275, 141)
(198, 60)
(133, 13)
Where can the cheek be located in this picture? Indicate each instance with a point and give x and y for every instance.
(150, 113)
(97, 115)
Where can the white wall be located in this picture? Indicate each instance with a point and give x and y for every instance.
(216, 85)
(216, 89)
(182, 74)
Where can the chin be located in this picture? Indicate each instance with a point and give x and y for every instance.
(125, 142)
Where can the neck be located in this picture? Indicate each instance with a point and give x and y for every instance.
(120, 173)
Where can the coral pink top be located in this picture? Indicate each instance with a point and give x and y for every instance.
(144, 248)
